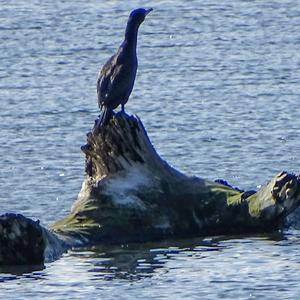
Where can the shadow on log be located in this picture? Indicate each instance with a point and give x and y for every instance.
(129, 194)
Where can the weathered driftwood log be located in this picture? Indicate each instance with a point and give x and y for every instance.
(130, 194)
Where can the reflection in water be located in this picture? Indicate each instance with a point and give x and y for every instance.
(28, 271)
(218, 267)
(136, 261)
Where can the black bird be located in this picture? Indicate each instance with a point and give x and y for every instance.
(116, 78)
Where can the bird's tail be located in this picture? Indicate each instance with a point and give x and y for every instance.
(105, 116)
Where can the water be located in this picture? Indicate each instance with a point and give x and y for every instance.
(218, 92)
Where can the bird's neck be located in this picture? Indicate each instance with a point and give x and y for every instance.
(131, 36)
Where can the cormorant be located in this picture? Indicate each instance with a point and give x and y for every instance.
(116, 78)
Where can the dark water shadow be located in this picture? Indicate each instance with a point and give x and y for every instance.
(137, 261)
(134, 261)
(8, 273)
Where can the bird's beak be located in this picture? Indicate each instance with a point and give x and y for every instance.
(148, 11)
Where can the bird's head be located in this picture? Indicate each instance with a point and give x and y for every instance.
(137, 16)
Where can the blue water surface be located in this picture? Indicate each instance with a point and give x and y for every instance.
(218, 90)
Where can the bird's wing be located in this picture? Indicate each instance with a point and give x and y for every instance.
(114, 81)
(104, 78)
